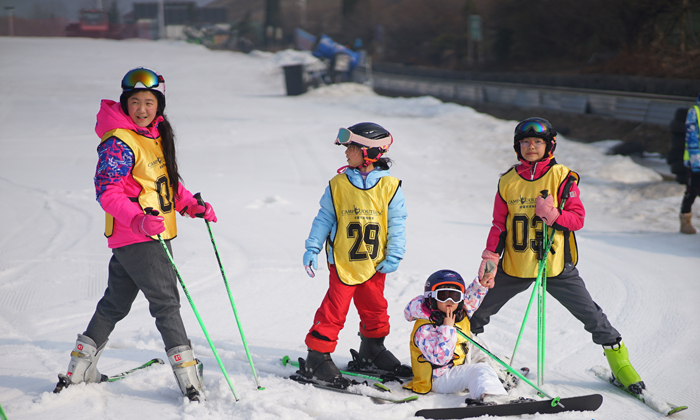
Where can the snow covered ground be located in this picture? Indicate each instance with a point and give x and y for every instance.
(263, 160)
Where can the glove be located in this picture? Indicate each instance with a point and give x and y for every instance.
(311, 259)
(487, 278)
(389, 265)
(545, 210)
(206, 211)
(148, 224)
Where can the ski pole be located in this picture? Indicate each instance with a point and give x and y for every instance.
(541, 318)
(555, 401)
(286, 360)
(541, 270)
(201, 202)
(194, 309)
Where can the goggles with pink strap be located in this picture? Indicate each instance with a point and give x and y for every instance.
(346, 137)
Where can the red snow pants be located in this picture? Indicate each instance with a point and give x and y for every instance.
(330, 317)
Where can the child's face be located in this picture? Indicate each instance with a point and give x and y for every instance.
(142, 108)
(532, 148)
(354, 156)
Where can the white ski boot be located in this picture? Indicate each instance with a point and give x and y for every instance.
(188, 372)
(83, 364)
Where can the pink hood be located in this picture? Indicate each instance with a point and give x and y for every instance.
(111, 116)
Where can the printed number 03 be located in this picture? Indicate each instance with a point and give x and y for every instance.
(522, 226)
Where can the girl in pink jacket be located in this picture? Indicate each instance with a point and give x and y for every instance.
(138, 186)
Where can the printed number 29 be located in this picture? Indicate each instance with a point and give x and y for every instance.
(369, 236)
(521, 230)
(163, 189)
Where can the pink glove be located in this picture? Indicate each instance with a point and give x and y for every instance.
(194, 209)
(149, 225)
(486, 276)
(545, 210)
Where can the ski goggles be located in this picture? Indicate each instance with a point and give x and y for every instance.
(143, 78)
(443, 295)
(534, 127)
(346, 137)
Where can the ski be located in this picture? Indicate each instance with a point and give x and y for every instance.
(287, 361)
(123, 375)
(646, 396)
(64, 381)
(583, 403)
(357, 388)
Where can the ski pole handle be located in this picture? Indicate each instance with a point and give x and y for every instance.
(490, 266)
(199, 199)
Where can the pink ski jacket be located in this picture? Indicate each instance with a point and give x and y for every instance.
(437, 343)
(571, 218)
(114, 183)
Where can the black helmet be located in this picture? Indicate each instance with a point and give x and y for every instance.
(535, 127)
(374, 140)
(369, 130)
(142, 78)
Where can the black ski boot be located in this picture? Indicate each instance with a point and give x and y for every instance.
(319, 366)
(374, 357)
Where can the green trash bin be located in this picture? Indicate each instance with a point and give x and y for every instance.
(294, 79)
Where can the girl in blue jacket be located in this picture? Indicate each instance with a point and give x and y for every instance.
(362, 220)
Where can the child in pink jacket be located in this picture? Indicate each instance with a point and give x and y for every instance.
(442, 360)
(138, 186)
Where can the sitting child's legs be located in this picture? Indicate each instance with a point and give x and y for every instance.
(478, 378)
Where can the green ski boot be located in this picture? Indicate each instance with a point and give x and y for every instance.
(618, 359)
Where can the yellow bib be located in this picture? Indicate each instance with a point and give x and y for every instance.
(361, 237)
(150, 172)
(522, 225)
(422, 381)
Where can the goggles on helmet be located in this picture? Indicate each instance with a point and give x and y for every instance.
(346, 137)
(534, 127)
(443, 295)
(143, 78)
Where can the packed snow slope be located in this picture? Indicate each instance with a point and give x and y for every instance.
(263, 160)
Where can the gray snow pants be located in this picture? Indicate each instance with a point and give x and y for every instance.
(145, 267)
(568, 288)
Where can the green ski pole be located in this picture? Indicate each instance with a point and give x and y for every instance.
(541, 270)
(194, 309)
(199, 199)
(2, 414)
(541, 319)
(555, 401)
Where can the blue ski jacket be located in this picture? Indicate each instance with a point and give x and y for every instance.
(691, 157)
(325, 222)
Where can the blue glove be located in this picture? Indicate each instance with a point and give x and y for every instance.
(389, 265)
(311, 259)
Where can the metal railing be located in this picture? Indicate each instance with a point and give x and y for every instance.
(639, 107)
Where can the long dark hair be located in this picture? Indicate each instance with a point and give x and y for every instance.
(167, 135)
(383, 163)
